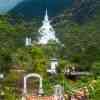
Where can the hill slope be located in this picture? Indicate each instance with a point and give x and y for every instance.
(30, 8)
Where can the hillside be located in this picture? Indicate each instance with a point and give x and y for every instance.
(31, 8)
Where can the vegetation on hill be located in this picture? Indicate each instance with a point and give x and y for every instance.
(80, 46)
(81, 40)
(13, 32)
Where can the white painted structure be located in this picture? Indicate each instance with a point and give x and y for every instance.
(53, 66)
(25, 83)
(58, 92)
(46, 31)
(28, 41)
(1, 76)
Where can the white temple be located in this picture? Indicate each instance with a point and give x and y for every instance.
(46, 31)
(28, 41)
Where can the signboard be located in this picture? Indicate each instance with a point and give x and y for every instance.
(43, 98)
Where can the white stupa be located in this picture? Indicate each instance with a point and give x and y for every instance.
(46, 31)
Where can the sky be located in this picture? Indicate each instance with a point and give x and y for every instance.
(6, 5)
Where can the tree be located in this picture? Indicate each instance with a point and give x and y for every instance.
(32, 59)
(84, 10)
(12, 36)
(81, 42)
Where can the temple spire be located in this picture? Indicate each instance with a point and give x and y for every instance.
(46, 18)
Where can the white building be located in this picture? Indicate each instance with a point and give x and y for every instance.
(53, 66)
(46, 31)
(28, 41)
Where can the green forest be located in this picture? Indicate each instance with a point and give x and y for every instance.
(77, 29)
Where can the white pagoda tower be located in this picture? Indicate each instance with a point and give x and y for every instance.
(28, 41)
(46, 31)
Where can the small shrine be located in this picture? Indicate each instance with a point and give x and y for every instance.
(53, 66)
(28, 41)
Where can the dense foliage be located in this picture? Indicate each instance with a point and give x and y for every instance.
(13, 32)
(79, 45)
(81, 40)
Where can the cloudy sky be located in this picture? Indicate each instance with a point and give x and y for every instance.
(6, 5)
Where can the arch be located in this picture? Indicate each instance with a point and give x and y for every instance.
(40, 83)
